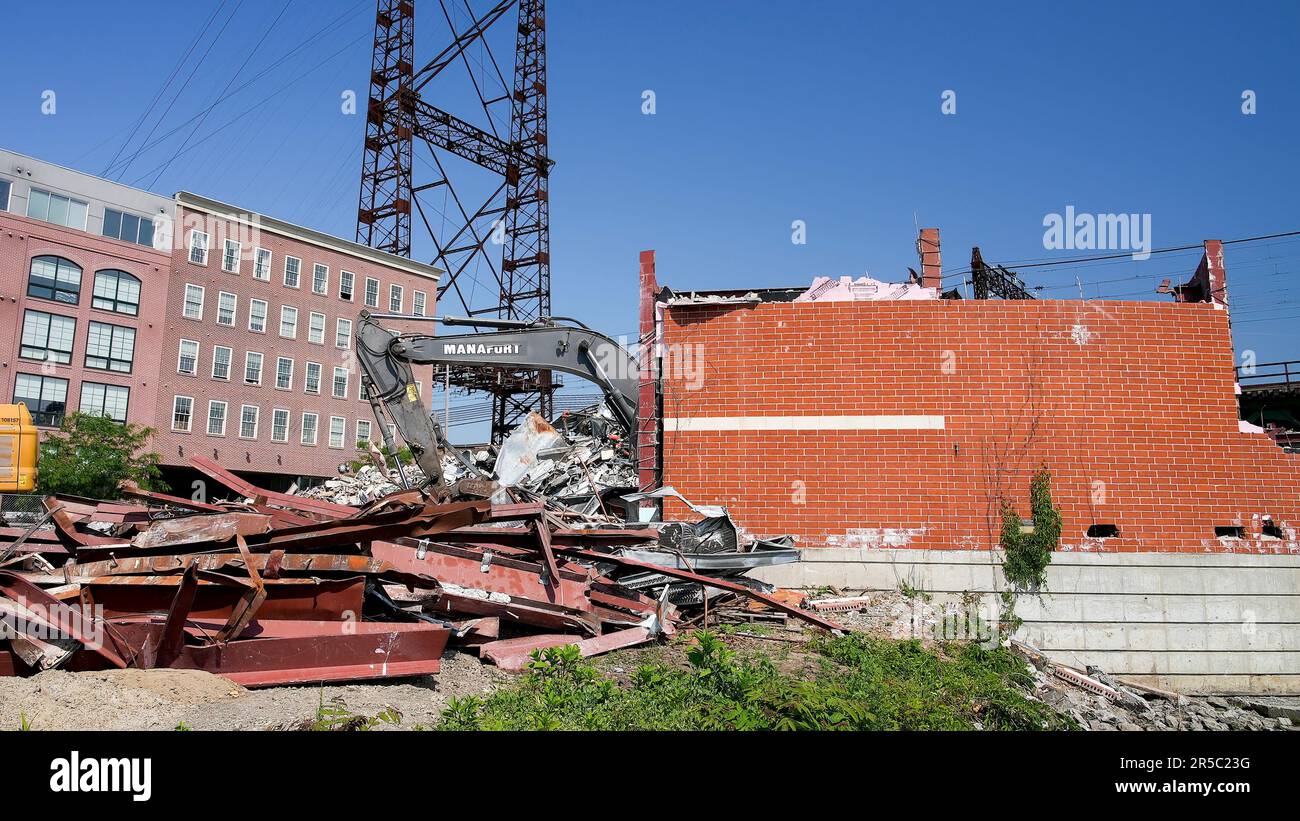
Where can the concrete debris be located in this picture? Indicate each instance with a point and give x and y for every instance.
(848, 289)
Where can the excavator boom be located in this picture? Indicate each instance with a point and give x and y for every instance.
(386, 358)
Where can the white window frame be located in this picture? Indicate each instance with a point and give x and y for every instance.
(395, 290)
(266, 311)
(185, 303)
(352, 287)
(293, 335)
(194, 232)
(175, 400)
(261, 366)
(288, 420)
(306, 378)
(225, 416)
(179, 356)
(419, 301)
(370, 431)
(347, 378)
(234, 308)
(343, 331)
(278, 360)
(315, 336)
(257, 263)
(343, 433)
(298, 273)
(315, 429)
(225, 254)
(365, 294)
(325, 287)
(257, 421)
(230, 362)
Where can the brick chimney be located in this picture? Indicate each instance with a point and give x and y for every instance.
(647, 435)
(927, 245)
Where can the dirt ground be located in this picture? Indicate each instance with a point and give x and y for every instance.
(164, 699)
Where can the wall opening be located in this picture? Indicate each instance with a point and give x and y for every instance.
(1271, 530)
(1230, 532)
(1103, 531)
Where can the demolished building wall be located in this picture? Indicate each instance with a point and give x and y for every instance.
(903, 423)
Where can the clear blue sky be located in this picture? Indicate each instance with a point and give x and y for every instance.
(767, 112)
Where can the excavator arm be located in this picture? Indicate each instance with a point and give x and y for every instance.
(386, 357)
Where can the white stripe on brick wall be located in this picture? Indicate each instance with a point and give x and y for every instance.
(804, 423)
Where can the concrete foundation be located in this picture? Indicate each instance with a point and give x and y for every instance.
(1192, 623)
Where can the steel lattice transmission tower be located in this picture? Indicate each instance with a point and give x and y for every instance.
(515, 216)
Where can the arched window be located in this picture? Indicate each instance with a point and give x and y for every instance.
(55, 278)
(116, 291)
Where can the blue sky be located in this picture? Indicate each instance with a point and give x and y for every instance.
(766, 112)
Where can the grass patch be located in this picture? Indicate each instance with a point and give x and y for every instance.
(861, 683)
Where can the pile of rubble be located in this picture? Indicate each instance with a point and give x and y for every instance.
(1098, 701)
(273, 588)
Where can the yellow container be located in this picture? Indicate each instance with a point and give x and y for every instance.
(19, 449)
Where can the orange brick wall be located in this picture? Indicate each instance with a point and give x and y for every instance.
(1132, 406)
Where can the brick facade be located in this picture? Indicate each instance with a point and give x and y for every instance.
(944, 406)
(261, 453)
(22, 240)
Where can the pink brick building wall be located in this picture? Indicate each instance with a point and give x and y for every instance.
(256, 448)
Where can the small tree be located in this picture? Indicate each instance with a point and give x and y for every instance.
(91, 454)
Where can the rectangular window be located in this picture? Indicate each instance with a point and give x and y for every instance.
(4, 195)
(116, 291)
(320, 279)
(110, 347)
(230, 257)
(288, 322)
(216, 418)
(284, 373)
(128, 227)
(292, 270)
(182, 411)
(54, 278)
(187, 361)
(363, 430)
(316, 329)
(248, 421)
(312, 384)
(221, 362)
(58, 209)
(253, 368)
(372, 292)
(340, 383)
(193, 302)
(46, 398)
(47, 337)
(343, 334)
(226, 307)
(363, 393)
(347, 282)
(280, 425)
(261, 264)
(338, 430)
(104, 400)
(308, 429)
(257, 315)
(198, 247)
(417, 303)
(395, 299)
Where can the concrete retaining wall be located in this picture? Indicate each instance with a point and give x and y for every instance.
(1194, 623)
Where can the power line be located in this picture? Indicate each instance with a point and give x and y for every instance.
(229, 82)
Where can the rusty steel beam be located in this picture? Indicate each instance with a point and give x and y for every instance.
(466, 567)
(63, 619)
(709, 581)
(133, 490)
(222, 476)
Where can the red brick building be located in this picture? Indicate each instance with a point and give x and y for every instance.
(880, 424)
(258, 371)
(228, 332)
(83, 288)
